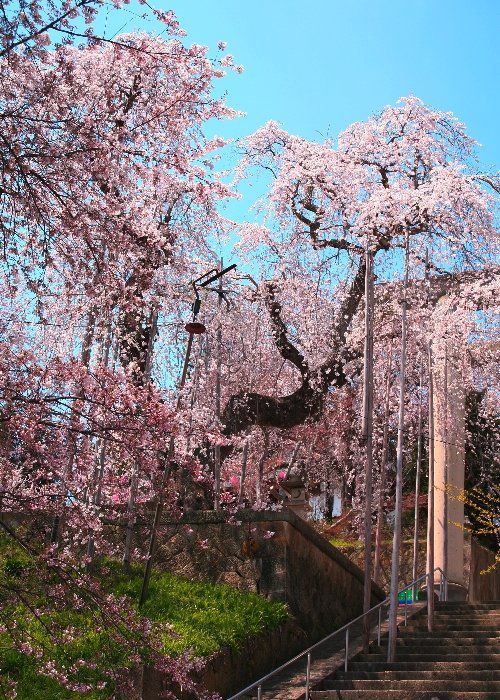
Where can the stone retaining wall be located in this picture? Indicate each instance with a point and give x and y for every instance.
(275, 554)
(228, 671)
(483, 587)
(322, 588)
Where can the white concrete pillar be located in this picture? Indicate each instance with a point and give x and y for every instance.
(449, 461)
(337, 502)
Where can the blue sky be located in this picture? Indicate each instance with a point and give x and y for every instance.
(320, 65)
(317, 66)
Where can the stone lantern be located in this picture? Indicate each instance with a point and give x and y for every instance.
(293, 493)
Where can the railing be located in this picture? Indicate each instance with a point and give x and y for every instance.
(307, 653)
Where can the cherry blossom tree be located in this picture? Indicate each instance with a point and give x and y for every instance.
(109, 201)
(404, 171)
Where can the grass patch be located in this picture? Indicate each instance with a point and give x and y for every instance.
(341, 543)
(204, 616)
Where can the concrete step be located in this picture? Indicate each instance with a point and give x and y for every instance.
(451, 635)
(458, 620)
(459, 605)
(421, 641)
(439, 649)
(447, 633)
(401, 695)
(448, 674)
(403, 656)
(447, 665)
(455, 620)
(431, 685)
(464, 614)
(468, 602)
(491, 612)
(459, 623)
(460, 660)
(465, 622)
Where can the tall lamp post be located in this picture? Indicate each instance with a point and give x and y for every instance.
(194, 327)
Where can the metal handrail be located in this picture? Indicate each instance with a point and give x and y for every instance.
(257, 685)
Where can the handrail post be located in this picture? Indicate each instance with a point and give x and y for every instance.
(430, 599)
(379, 625)
(259, 684)
(346, 648)
(391, 649)
(308, 675)
(406, 607)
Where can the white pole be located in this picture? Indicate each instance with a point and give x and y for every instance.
(383, 472)
(367, 436)
(430, 487)
(396, 542)
(417, 480)
(430, 499)
(446, 475)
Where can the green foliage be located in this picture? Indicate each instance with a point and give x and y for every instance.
(31, 685)
(203, 617)
(481, 464)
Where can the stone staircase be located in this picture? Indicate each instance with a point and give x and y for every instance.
(460, 660)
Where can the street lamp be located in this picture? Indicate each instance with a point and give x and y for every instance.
(193, 327)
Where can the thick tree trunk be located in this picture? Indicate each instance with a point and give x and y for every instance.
(135, 341)
(260, 469)
(243, 472)
(136, 352)
(247, 409)
(101, 448)
(85, 354)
